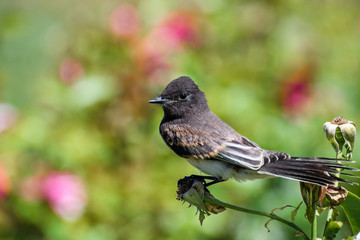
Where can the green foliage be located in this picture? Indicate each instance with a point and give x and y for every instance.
(332, 229)
(351, 207)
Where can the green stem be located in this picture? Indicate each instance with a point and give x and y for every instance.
(246, 210)
(330, 216)
(314, 224)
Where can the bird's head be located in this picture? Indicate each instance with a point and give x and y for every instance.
(181, 98)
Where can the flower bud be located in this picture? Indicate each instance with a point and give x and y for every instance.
(341, 133)
(311, 195)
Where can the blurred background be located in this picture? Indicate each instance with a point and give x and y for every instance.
(80, 152)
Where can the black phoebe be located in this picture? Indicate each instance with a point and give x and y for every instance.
(195, 133)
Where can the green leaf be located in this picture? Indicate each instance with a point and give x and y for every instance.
(332, 229)
(348, 238)
(351, 207)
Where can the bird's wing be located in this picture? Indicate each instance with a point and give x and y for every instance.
(242, 155)
(190, 142)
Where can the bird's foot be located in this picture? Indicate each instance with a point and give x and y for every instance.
(200, 178)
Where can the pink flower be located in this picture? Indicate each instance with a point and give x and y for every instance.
(8, 116)
(4, 183)
(172, 34)
(124, 21)
(66, 194)
(70, 70)
(296, 91)
(180, 28)
(175, 31)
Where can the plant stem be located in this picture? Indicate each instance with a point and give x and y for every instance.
(269, 215)
(330, 216)
(314, 224)
(314, 217)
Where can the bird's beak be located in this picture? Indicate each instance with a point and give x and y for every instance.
(158, 100)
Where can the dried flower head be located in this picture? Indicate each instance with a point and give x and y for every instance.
(336, 195)
(341, 133)
(193, 191)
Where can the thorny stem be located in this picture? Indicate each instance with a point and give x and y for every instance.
(269, 215)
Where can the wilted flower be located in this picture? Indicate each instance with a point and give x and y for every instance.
(124, 21)
(336, 195)
(8, 116)
(341, 133)
(193, 191)
(4, 183)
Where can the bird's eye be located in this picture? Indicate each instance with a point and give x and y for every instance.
(183, 96)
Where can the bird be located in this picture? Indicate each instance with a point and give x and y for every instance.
(195, 133)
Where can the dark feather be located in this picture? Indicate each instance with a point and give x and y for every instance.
(316, 171)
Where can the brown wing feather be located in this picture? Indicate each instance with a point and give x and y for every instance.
(187, 141)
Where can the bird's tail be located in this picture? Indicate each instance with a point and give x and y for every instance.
(319, 171)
